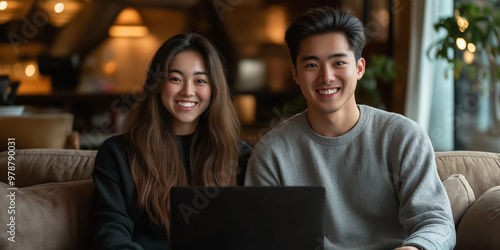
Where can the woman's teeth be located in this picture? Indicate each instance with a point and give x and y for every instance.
(186, 104)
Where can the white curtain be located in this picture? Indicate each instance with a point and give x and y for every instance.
(429, 97)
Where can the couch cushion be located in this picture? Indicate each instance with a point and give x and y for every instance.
(47, 216)
(36, 166)
(480, 226)
(460, 194)
(481, 169)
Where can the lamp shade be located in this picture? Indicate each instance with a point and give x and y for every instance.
(128, 24)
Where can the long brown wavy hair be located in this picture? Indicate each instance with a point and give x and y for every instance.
(154, 152)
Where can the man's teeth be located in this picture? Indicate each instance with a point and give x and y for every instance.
(186, 104)
(327, 91)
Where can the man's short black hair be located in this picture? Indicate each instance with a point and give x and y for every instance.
(325, 20)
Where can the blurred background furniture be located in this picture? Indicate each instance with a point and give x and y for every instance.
(53, 130)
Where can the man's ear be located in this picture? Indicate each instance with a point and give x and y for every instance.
(361, 67)
(294, 74)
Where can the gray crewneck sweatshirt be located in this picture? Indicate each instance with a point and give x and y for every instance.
(382, 186)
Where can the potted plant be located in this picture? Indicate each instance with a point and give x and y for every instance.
(379, 73)
(475, 32)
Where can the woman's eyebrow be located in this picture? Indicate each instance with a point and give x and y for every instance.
(175, 71)
(180, 72)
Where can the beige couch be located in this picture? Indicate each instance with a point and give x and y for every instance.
(54, 191)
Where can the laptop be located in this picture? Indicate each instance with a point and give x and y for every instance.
(247, 218)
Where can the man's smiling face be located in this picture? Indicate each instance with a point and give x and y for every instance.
(327, 72)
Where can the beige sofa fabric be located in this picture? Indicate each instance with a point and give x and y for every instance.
(481, 169)
(35, 166)
(52, 216)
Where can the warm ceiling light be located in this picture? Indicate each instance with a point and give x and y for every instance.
(30, 70)
(59, 7)
(3, 5)
(14, 10)
(128, 24)
(461, 43)
(59, 13)
(128, 31)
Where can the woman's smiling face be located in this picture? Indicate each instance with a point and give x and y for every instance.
(186, 93)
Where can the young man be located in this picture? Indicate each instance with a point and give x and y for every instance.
(378, 168)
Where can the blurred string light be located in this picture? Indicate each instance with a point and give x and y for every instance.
(59, 7)
(30, 70)
(3, 5)
(471, 47)
(462, 23)
(20, 70)
(461, 43)
(468, 57)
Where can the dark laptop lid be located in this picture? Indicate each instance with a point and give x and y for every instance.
(247, 217)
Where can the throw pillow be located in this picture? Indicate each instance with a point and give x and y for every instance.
(460, 194)
(480, 226)
(46, 216)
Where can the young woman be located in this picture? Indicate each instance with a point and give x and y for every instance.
(182, 131)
